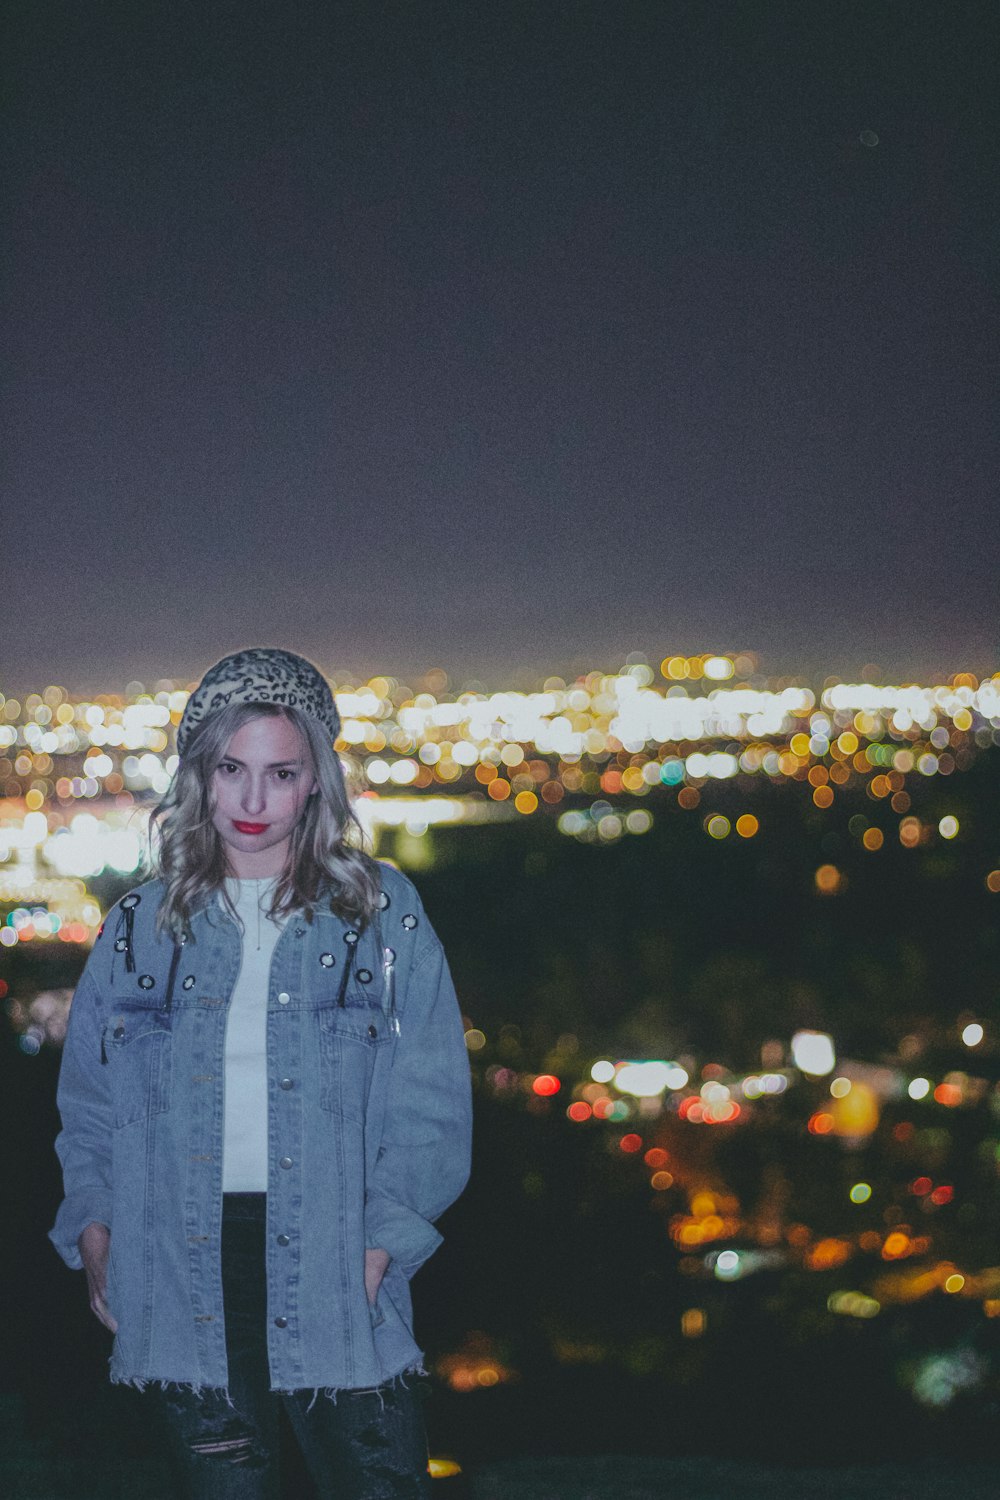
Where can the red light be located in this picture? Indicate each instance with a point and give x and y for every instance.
(921, 1186)
(3, 988)
(821, 1123)
(948, 1094)
(546, 1084)
(656, 1157)
(903, 1131)
(580, 1110)
(942, 1195)
(631, 1143)
(602, 1108)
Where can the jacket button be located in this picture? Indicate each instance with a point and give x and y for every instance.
(285, 1162)
(283, 1240)
(284, 998)
(286, 1083)
(281, 1322)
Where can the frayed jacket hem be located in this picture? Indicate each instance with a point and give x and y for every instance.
(329, 1392)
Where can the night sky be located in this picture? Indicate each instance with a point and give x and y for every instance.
(499, 336)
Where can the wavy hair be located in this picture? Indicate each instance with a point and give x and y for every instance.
(327, 859)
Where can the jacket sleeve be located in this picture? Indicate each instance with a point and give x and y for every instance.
(424, 1154)
(84, 1143)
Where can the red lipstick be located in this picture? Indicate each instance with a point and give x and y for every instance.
(250, 827)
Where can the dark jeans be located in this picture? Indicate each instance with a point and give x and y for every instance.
(365, 1445)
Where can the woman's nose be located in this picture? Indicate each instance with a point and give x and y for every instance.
(253, 795)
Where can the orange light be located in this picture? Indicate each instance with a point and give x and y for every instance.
(747, 826)
(580, 1110)
(896, 1246)
(656, 1157)
(821, 1123)
(948, 1094)
(546, 1084)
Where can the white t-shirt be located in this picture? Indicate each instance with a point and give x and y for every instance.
(244, 1151)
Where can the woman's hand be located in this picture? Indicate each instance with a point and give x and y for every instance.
(95, 1246)
(376, 1263)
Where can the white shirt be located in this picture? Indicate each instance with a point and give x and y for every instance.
(244, 1150)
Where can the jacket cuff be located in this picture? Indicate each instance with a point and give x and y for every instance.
(409, 1238)
(76, 1211)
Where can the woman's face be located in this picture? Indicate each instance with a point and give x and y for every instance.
(259, 790)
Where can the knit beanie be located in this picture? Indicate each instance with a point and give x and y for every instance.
(262, 674)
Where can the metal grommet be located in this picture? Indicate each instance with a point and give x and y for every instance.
(128, 903)
(365, 975)
(146, 981)
(327, 960)
(118, 1032)
(350, 936)
(409, 921)
(188, 982)
(390, 954)
(120, 945)
(384, 902)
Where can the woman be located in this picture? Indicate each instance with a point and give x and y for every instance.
(265, 1103)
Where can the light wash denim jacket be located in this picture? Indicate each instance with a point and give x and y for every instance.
(369, 1126)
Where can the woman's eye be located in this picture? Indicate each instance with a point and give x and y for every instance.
(284, 775)
(228, 766)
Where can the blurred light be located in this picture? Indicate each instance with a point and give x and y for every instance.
(948, 827)
(918, 1088)
(693, 1322)
(954, 1283)
(747, 825)
(546, 1084)
(839, 1087)
(475, 1040)
(602, 1072)
(860, 1192)
(443, 1468)
(630, 1143)
(727, 1265)
(853, 1304)
(972, 1034)
(644, 1079)
(813, 1053)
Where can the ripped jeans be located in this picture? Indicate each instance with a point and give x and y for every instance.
(366, 1445)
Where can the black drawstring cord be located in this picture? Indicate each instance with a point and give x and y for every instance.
(129, 955)
(342, 992)
(175, 959)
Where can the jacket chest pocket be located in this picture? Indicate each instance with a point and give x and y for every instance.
(137, 1045)
(350, 1039)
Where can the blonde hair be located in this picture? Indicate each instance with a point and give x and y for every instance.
(327, 860)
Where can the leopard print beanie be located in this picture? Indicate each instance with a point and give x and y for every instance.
(262, 674)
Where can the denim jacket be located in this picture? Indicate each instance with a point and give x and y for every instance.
(369, 1125)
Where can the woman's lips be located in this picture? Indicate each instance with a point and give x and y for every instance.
(250, 827)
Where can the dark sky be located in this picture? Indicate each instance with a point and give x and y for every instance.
(496, 335)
